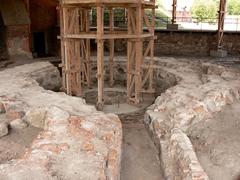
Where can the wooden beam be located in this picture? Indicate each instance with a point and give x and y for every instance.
(139, 54)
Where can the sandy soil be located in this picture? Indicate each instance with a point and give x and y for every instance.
(14, 144)
(217, 143)
(140, 158)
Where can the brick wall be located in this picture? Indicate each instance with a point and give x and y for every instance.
(43, 15)
(193, 42)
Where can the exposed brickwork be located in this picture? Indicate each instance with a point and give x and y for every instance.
(193, 42)
(77, 142)
(203, 89)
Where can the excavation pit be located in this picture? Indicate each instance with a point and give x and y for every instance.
(139, 154)
(189, 122)
(115, 101)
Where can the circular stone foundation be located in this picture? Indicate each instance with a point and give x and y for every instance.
(115, 100)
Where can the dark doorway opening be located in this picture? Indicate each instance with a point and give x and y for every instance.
(39, 45)
(3, 37)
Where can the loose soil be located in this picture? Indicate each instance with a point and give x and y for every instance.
(217, 143)
(140, 157)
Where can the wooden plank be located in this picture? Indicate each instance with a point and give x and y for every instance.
(105, 36)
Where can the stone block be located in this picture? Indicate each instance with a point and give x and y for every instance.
(3, 129)
(14, 114)
(36, 117)
(218, 53)
(18, 124)
(173, 26)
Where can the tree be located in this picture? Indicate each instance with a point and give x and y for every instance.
(205, 11)
(233, 7)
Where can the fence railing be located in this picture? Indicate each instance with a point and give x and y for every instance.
(189, 23)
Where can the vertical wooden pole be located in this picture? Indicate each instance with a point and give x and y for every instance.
(100, 56)
(62, 49)
(66, 51)
(139, 55)
(150, 88)
(221, 18)
(174, 11)
(129, 52)
(111, 48)
(77, 54)
(88, 49)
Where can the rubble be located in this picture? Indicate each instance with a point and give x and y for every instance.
(3, 129)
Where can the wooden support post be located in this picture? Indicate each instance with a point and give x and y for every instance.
(111, 48)
(130, 53)
(139, 54)
(100, 56)
(76, 57)
(66, 67)
(150, 88)
(221, 17)
(88, 49)
(174, 11)
(62, 49)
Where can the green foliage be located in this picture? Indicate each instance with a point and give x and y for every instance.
(205, 11)
(119, 15)
(160, 16)
(233, 7)
(159, 3)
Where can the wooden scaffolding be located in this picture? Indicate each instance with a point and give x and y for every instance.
(76, 51)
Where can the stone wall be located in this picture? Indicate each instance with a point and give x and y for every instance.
(43, 15)
(18, 40)
(15, 24)
(193, 43)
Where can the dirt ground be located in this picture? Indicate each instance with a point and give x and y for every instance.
(14, 144)
(10, 63)
(217, 143)
(140, 158)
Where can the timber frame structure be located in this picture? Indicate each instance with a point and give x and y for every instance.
(76, 51)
